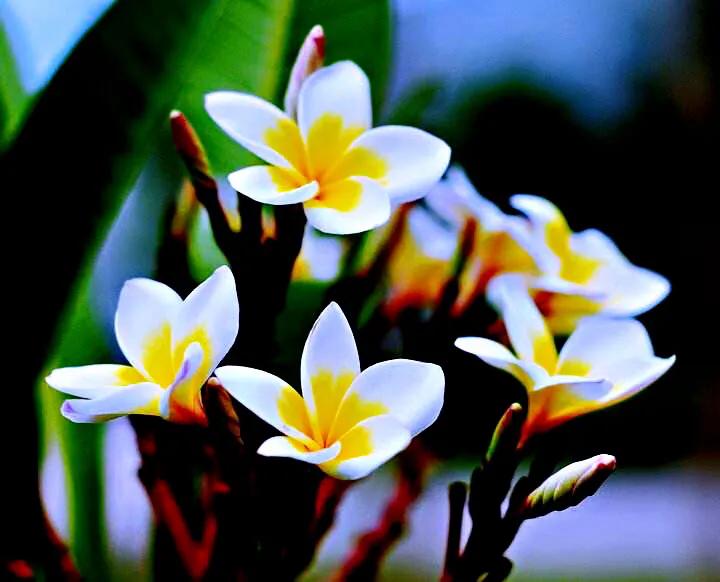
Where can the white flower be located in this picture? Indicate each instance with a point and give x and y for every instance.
(346, 421)
(172, 345)
(328, 157)
(602, 363)
(583, 273)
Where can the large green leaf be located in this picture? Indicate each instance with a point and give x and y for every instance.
(13, 98)
(64, 178)
(86, 141)
(255, 44)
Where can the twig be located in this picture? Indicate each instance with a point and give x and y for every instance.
(457, 494)
(364, 562)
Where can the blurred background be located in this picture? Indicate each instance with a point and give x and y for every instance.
(608, 108)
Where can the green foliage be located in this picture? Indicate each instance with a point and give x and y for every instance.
(254, 45)
(90, 134)
(13, 98)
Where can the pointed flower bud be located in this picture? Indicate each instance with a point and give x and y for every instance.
(310, 58)
(569, 486)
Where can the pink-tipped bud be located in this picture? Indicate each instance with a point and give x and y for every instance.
(310, 58)
(569, 486)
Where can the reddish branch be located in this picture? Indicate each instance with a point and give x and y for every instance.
(364, 562)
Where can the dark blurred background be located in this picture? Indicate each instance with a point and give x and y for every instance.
(609, 109)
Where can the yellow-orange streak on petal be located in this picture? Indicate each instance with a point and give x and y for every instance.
(544, 352)
(352, 411)
(343, 196)
(292, 411)
(157, 356)
(127, 375)
(574, 368)
(357, 442)
(358, 161)
(562, 312)
(285, 179)
(327, 141)
(550, 408)
(573, 266)
(285, 138)
(328, 390)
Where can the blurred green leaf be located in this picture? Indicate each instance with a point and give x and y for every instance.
(255, 44)
(79, 151)
(13, 99)
(90, 134)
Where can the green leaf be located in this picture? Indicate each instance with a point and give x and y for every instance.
(255, 44)
(66, 174)
(14, 100)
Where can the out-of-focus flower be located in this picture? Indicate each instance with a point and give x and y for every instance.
(319, 258)
(328, 158)
(420, 265)
(172, 345)
(602, 363)
(583, 273)
(502, 242)
(346, 421)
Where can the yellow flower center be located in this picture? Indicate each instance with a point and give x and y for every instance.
(325, 157)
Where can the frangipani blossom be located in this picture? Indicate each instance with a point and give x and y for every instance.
(583, 273)
(502, 242)
(346, 421)
(602, 363)
(328, 157)
(172, 345)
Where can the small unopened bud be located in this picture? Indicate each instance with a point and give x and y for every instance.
(310, 58)
(569, 486)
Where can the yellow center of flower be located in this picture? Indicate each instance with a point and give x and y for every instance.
(335, 418)
(574, 267)
(325, 157)
(162, 362)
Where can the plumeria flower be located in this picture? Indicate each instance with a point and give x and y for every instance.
(421, 263)
(327, 156)
(346, 421)
(172, 345)
(583, 273)
(503, 243)
(602, 363)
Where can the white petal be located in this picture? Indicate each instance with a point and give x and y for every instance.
(271, 398)
(92, 381)
(286, 447)
(562, 399)
(330, 349)
(137, 399)
(209, 316)
(410, 391)
(341, 89)
(628, 290)
(617, 349)
(249, 120)
(257, 182)
(415, 159)
(542, 214)
(498, 356)
(145, 313)
(524, 323)
(367, 446)
(331, 212)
